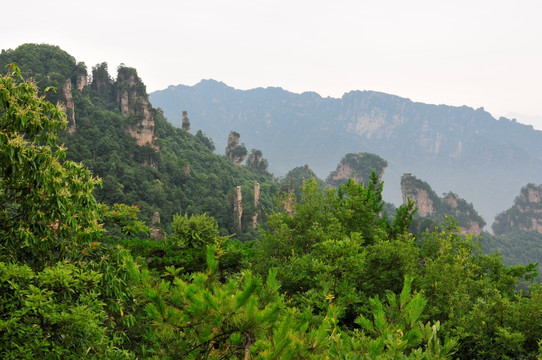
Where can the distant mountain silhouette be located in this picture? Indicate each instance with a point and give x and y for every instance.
(459, 149)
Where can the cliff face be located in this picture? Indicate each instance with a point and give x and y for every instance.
(67, 91)
(420, 192)
(471, 223)
(133, 102)
(430, 205)
(357, 166)
(524, 215)
(238, 208)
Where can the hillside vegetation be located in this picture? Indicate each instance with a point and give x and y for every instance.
(325, 275)
(176, 172)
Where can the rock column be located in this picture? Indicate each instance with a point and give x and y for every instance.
(256, 202)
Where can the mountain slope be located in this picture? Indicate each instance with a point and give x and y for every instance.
(142, 159)
(455, 149)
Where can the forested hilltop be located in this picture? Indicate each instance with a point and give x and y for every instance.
(141, 158)
(457, 149)
(328, 273)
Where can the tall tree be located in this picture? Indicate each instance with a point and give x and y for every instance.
(46, 204)
(53, 292)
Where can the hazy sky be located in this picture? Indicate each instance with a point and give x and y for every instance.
(475, 53)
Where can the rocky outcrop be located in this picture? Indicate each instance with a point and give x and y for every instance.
(155, 232)
(289, 203)
(358, 167)
(235, 152)
(524, 215)
(470, 222)
(134, 103)
(256, 203)
(435, 142)
(69, 107)
(256, 161)
(423, 202)
(534, 194)
(238, 207)
(81, 82)
(430, 205)
(186, 122)
(420, 192)
(297, 177)
(150, 161)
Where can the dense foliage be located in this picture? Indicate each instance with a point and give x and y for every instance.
(184, 176)
(59, 296)
(48, 66)
(516, 248)
(330, 278)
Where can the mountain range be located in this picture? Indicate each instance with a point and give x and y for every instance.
(460, 149)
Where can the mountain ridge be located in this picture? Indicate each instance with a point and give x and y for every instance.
(511, 117)
(459, 149)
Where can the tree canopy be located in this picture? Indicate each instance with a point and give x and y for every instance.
(330, 277)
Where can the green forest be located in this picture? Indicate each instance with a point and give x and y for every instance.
(87, 271)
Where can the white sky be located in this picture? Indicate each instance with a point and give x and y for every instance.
(478, 53)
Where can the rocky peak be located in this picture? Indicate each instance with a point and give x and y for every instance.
(186, 122)
(134, 103)
(235, 152)
(296, 177)
(451, 200)
(79, 76)
(357, 166)
(524, 215)
(131, 94)
(420, 192)
(430, 205)
(533, 194)
(256, 161)
(471, 222)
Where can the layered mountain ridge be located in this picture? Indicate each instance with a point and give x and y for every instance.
(457, 149)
